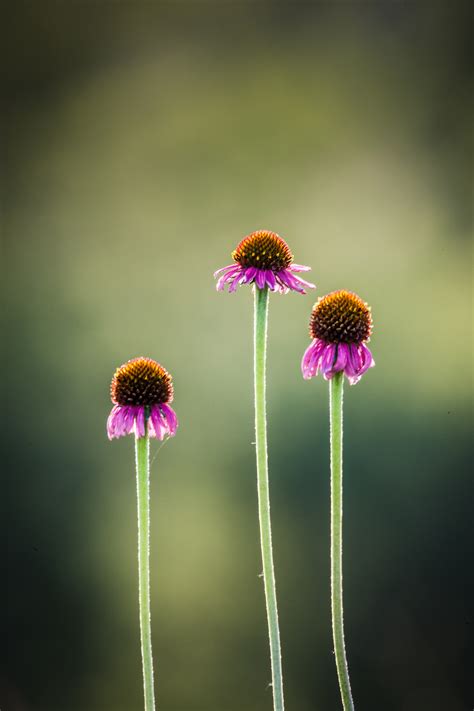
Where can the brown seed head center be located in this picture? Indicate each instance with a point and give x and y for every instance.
(263, 250)
(141, 381)
(341, 317)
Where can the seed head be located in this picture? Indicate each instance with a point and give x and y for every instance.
(341, 317)
(263, 250)
(141, 381)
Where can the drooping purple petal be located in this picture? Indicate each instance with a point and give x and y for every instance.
(327, 360)
(112, 422)
(342, 356)
(140, 430)
(230, 272)
(249, 274)
(260, 278)
(130, 412)
(307, 284)
(270, 279)
(311, 359)
(367, 358)
(158, 428)
(284, 276)
(223, 269)
(237, 279)
(361, 360)
(282, 281)
(125, 420)
(120, 421)
(282, 287)
(170, 417)
(293, 282)
(299, 281)
(356, 359)
(299, 268)
(353, 359)
(353, 364)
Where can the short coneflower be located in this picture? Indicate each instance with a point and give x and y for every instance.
(141, 391)
(340, 325)
(264, 258)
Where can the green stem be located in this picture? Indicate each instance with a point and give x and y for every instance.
(260, 346)
(142, 458)
(335, 401)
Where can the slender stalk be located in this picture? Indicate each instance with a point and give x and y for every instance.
(335, 403)
(260, 348)
(142, 458)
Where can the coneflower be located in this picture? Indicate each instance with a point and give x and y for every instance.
(142, 391)
(264, 259)
(340, 325)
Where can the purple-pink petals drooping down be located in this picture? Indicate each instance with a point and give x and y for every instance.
(142, 391)
(331, 358)
(125, 419)
(341, 324)
(263, 258)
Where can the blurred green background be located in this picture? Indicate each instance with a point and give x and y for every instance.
(142, 142)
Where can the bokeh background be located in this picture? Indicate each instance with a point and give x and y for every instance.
(142, 141)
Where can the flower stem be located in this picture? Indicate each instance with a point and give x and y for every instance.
(142, 458)
(260, 347)
(335, 403)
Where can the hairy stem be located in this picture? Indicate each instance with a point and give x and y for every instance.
(260, 345)
(336, 399)
(142, 458)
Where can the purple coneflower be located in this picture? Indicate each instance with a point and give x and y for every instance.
(141, 390)
(341, 324)
(264, 258)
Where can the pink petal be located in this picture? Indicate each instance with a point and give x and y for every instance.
(260, 278)
(170, 417)
(299, 268)
(249, 274)
(294, 282)
(342, 356)
(222, 269)
(270, 279)
(159, 428)
(327, 360)
(140, 430)
(311, 359)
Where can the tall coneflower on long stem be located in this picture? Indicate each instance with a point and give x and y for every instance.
(142, 460)
(260, 358)
(340, 326)
(141, 391)
(264, 259)
(336, 388)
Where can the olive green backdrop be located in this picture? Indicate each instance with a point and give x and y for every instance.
(142, 142)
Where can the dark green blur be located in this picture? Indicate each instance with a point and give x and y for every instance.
(142, 142)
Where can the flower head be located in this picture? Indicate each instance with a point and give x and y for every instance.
(141, 391)
(340, 326)
(264, 258)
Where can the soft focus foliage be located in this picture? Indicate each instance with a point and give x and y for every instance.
(143, 144)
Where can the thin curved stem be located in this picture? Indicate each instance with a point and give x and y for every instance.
(142, 458)
(336, 389)
(260, 346)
